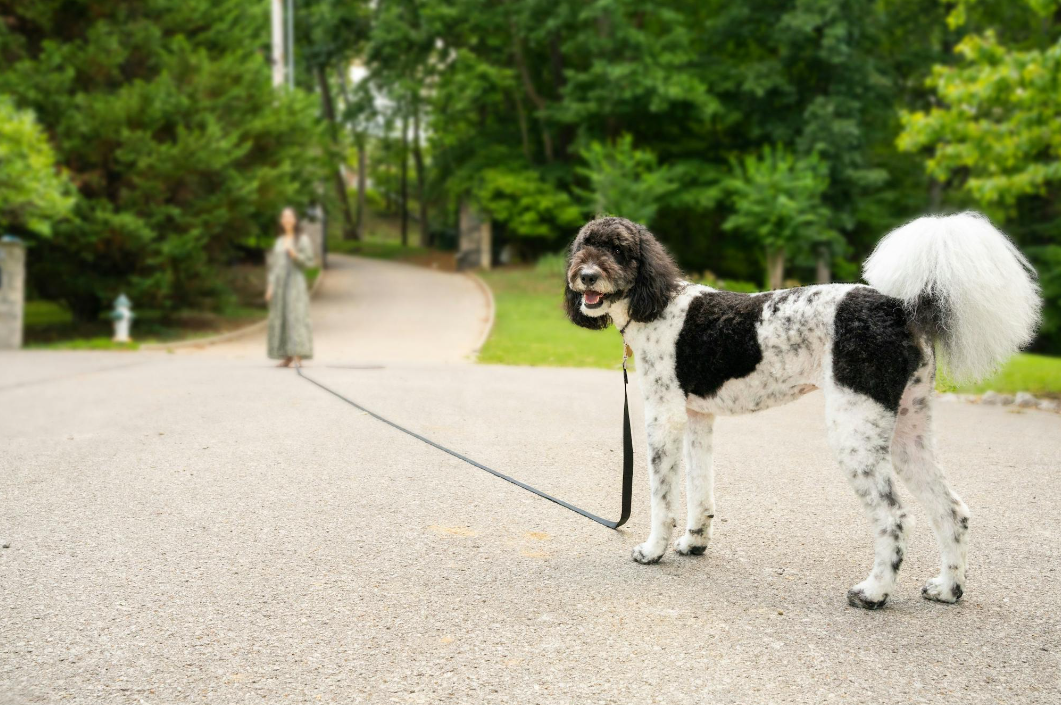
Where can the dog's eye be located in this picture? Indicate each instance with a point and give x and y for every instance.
(617, 251)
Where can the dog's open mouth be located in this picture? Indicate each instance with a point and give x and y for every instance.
(592, 299)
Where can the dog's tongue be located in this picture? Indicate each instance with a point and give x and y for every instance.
(591, 297)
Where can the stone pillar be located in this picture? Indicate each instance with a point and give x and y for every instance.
(824, 255)
(12, 291)
(486, 245)
(475, 242)
(313, 227)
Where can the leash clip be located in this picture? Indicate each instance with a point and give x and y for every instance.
(626, 356)
(626, 351)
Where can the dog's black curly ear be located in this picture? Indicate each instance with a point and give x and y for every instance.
(573, 306)
(656, 281)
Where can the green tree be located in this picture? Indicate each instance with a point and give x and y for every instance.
(625, 181)
(996, 122)
(402, 57)
(527, 103)
(329, 34)
(993, 134)
(163, 114)
(777, 203)
(807, 73)
(526, 205)
(33, 193)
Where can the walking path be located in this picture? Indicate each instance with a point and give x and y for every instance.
(377, 311)
(202, 527)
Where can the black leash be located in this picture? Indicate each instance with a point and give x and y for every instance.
(628, 453)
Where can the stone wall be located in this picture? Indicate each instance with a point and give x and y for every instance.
(314, 226)
(475, 246)
(12, 292)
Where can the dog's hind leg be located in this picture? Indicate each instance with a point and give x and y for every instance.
(860, 432)
(665, 424)
(699, 484)
(915, 462)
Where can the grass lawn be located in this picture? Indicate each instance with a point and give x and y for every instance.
(1038, 374)
(383, 240)
(377, 248)
(531, 329)
(49, 325)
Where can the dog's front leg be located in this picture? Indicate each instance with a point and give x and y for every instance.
(699, 484)
(666, 427)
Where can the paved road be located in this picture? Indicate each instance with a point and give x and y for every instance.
(205, 528)
(375, 311)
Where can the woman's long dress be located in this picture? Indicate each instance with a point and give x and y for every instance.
(289, 328)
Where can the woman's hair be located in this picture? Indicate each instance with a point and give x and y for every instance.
(298, 221)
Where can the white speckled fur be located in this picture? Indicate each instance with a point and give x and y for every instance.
(979, 281)
(796, 338)
(952, 280)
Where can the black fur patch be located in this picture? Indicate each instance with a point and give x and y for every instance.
(874, 350)
(718, 341)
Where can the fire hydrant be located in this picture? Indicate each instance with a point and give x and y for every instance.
(123, 316)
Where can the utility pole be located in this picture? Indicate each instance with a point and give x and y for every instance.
(279, 44)
(283, 50)
(283, 42)
(291, 43)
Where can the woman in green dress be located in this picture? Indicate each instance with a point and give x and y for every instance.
(290, 336)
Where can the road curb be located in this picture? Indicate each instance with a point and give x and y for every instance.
(225, 337)
(491, 312)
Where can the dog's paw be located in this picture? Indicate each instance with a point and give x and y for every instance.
(646, 553)
(942, 589)
(691, 544)
(866, 596)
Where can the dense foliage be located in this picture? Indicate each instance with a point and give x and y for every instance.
(164, 117)
(32, 193)
(761, 140)
(994, 136)
(777, 204)
(755, 136)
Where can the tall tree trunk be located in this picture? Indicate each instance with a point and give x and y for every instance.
(362, 171)
(403, 184)
(349, 231)
(565, 133)
(418, 163)
(532, 92)
(775, 267)
(823, 264)
(522, 115)
(362, 158)
(935, 195)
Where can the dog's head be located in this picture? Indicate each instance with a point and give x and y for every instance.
(614, 260)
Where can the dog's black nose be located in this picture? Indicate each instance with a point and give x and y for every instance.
(589, 278)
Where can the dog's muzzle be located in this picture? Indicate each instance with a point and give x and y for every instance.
(592, 299)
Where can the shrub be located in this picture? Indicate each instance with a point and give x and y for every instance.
(164, 115)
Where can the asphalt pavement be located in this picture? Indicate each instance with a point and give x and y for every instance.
(203, 527)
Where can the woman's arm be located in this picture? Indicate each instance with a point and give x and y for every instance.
(302, 255)
(271, 269)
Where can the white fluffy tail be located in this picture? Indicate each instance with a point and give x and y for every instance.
(966, 282)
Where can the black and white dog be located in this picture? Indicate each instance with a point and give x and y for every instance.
(954, 281)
